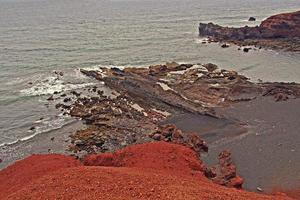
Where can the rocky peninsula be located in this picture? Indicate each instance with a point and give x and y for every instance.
(280, 32)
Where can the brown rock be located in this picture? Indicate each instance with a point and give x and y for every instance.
(236, 182)
(197, 143)
(210, 67)
(157, 137)
(210, 172)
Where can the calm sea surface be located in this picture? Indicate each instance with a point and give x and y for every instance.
(38, 37)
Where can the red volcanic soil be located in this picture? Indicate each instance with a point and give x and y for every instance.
(162, 156)
(148, 171)
(23, 172)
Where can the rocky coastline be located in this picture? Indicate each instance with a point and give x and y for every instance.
(153, 108)
(280, 32)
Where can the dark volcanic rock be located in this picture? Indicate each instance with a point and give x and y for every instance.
(251, 19)
(284, 29)
(246, 49)
(224, 45)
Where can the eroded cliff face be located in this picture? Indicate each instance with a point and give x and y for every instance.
(285, 25)
(282, 27)
(227, 33)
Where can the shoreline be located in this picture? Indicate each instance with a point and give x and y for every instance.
(204, 102)
(55, 141)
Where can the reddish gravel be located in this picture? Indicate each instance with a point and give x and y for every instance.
(148, 171)
(158, 156)
(23, 172)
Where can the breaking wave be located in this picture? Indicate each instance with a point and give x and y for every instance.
(50, 85)
(43, 126)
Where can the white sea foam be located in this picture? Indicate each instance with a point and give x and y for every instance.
(50, 85)
(201, 40)
(43, 126)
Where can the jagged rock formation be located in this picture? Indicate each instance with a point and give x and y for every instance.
(282, 27)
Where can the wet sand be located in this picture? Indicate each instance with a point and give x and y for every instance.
(210, 129)
(268, 155)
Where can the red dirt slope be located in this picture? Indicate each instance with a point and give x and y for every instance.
(147, 171)
(158, 156)
(23, 172)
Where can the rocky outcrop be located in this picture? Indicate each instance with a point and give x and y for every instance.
(285, 25)
(144, 98)
(225, 172)
(170, 133)
(282, 27)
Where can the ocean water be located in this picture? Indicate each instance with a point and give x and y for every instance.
(38, 37)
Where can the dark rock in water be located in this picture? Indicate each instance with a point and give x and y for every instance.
(252, 19)
(51, 98)
(32, 128)
(225, 45)
(56, 92)
(246, 49)
(58, 73)
(63, 95)
(63, 106)
(52, 139)
(30, 83)
(67, 100)
(100, 92)
(77, 94)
